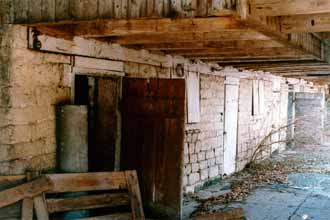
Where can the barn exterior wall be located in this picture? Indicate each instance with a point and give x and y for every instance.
(204, 140)
(35, 82)
(253, 128)
(33, 87)
(310, 113)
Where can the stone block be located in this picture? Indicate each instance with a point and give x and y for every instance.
(193, 158)
(204, 174)
(203, 164)
(193, 178)
(187, 169)
(210, 154)
(213, 171)
(201, 156)
(191, 147)
(198, 146)
(195, 167)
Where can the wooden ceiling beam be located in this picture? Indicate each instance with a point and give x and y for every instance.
(246, 44)
(103, 28)
(288, 7)
(234, 52)
(271, 27)
(305, 23)
(233, 61)
(242, 57)
(156, 38)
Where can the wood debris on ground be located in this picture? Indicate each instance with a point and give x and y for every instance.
(242, 183)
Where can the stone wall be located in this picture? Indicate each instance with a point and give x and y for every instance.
(37, 82)
(31, 87)
(253, 128)
(204, 140)
(310, 118)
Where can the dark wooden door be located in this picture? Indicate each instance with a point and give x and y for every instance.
(152, 140)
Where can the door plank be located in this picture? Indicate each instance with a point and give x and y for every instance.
(27, 190)
(40, 207)
(135, 196)
(87, 202)
(27, 209)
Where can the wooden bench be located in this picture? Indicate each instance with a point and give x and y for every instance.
(37, 195)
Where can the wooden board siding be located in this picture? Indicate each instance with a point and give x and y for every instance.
(36, 11)
(153, 133)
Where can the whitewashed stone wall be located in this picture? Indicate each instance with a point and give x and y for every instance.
(204, 140)
(252, 128)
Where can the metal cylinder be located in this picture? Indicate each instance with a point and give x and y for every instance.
(72, 139)
(72, 132)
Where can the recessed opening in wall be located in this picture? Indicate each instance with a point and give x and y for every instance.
(101, 94)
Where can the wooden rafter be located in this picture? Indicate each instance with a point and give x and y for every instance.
(288, 7)
(305, 23)
(104, 28)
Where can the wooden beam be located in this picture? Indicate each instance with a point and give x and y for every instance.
(154, 38)
(87, 182)
(275, 52)
(103, 28)
(305, 23)
(232, 60)
(288, 7)
(245, 44)
(271, 27)
(87, 202)
(27, 190)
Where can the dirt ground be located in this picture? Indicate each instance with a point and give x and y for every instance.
(292, 185)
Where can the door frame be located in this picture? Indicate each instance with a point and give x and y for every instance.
(232, 159)
(101, 74)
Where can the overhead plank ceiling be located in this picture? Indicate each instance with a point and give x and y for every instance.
(286, 37)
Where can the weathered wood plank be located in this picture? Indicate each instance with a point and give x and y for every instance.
(202, 8)
(87, 202)
(83, 9)
(99, 64)
(35, 10)
(10, 181)
(152, 26)
(27, 209)
(135, 196)
(40, 207)
(158, 7)
(288, 7)
(87, 182)
(106, 8)
(27, 190)
(7, 12)
(305, 23)
(188, 37)
(48, 10)
(21, 10)
(117, 9)
(62, 11)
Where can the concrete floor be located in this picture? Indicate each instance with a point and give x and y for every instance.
(306, 196)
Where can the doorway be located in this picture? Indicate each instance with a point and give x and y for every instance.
(102, 95)
(231, 124)
(152, 141)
